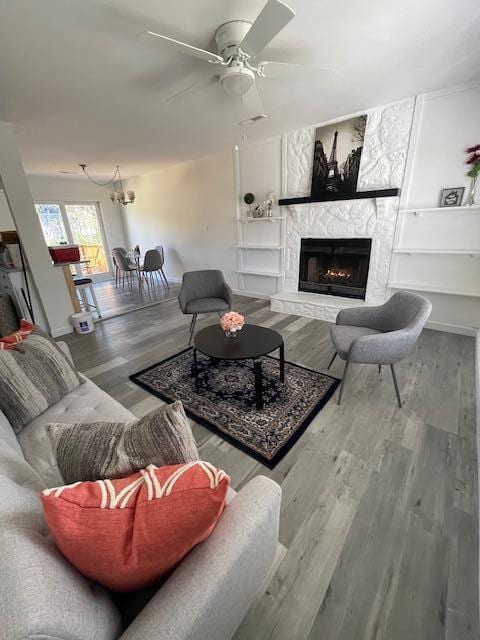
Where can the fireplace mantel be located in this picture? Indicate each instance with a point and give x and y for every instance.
(360, 195)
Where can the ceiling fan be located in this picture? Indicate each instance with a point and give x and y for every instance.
(239, 42)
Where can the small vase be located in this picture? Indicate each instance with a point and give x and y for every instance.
(231, 334)
(470, 201)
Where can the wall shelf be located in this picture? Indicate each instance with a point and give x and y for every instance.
(377, 193)
(419, 211)
(254, 272)
(428, 288)
(261, 247)
(266, 219)
(446, 252)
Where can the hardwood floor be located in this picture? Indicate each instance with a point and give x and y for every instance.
(379, 512)
(114, 300)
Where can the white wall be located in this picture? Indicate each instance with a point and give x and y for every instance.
(445, 123)
(6, 220)
(449, 122)
(49, 281)
(189, 209)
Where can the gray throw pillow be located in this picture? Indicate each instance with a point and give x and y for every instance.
(107, 450)
(9, 320)
(34, 375)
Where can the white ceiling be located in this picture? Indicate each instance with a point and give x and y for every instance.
(81, 86)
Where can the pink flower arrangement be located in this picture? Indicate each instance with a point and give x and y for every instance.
(232, 322)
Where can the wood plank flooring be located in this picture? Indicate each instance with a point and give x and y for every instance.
(379, 512)
(114, 300)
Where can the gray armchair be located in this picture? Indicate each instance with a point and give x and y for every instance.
(380, 335)
(204, 292)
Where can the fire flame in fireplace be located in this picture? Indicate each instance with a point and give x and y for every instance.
(336, 274)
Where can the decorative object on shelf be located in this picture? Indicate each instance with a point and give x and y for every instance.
(336, 174)
(264, 209)
(451, 197)
(232, 322)
(474, 161)
(249, 199)
(115, 196)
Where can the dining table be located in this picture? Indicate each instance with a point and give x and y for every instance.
(68, 275)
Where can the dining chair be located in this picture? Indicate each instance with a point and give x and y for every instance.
(126, 267)
(379, 335)
(152, 264)
(160, 250)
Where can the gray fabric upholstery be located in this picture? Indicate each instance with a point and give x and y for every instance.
(393, 329)
(343, 336)
(9, 320)
(34, 376)
(122, 261)
(152, 261)
(209, 594)
(161, 253)
(99, 450)
(87, 402)
(207, 305)
(206, 285)
(43, 597)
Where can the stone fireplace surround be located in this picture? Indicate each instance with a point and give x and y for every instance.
(382, 167)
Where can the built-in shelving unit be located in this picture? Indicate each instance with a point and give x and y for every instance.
(430, 288)
(446, 252)
(258, 272)
(260, 250)
(260, 247)
(429, 254)
(434, 210)
(265, 219)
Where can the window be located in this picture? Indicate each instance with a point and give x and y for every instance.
(77, 223)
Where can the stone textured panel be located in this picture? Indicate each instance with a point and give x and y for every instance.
(382, 167)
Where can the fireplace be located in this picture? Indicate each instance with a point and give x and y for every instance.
(337, 267)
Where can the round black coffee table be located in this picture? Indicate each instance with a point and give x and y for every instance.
(252, 342)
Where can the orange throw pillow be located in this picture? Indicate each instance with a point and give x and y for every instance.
(7, 343)
(128, 533)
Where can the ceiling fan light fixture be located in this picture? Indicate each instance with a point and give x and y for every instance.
(237, 80)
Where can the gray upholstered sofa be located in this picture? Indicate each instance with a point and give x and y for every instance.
(42, 597)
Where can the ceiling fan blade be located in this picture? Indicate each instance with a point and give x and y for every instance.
(254, 107)
(273, 70)
(272, 18)
(193, 88)
(190, 50)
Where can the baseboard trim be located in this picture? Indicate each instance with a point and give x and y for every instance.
(451, 328)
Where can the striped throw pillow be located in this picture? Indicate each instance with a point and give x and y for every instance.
(34, 375)
(98, 450)
(127, 534)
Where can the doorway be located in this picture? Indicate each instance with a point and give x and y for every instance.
(78, 223)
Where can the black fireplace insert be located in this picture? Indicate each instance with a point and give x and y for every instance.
(337, 267)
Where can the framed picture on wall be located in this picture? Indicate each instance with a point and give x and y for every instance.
(336, 158)
(451, 197)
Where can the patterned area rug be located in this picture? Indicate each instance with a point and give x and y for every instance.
(225, 403)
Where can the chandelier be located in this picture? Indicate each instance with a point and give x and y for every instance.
(121, 196)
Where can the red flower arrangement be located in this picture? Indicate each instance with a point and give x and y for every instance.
(473, 160)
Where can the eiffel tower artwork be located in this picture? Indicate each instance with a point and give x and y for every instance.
(334, 176)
